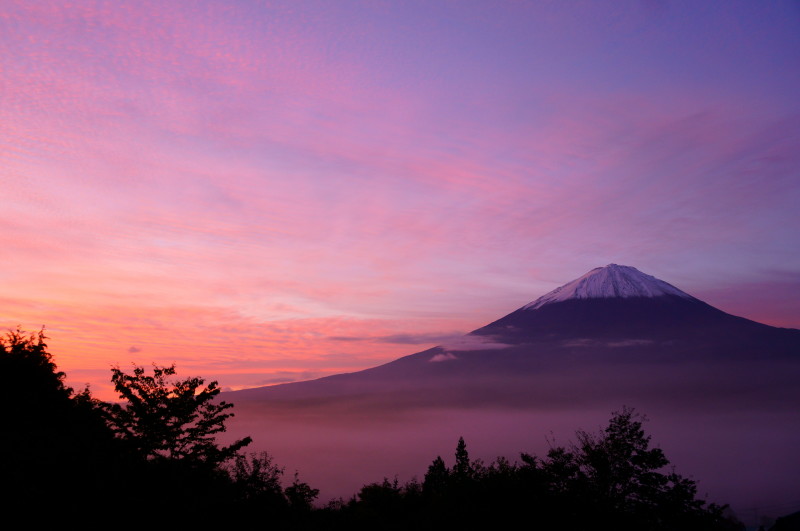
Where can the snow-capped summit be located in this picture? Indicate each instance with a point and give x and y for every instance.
(611, 281)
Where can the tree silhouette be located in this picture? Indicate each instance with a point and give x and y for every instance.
(619, 464)
(615, 477)
(436, 479)
(463, 468)
(256, 477)
(175, 420)
(30, 375)
(300, 494)
(34, 407)
(55, 444)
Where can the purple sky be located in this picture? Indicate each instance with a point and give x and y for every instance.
(236, 186)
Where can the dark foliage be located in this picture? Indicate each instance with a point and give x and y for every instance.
(257, 494)
(790, 522)
(257, 480)
(170, 425)
(66, 455)
(55, 445)
(612, 479)
(175, 420)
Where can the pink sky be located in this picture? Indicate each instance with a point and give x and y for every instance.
(273, 191)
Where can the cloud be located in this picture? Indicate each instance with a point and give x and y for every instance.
(279, 377)
(473, 342)
(453, 341)
(404, 338)
(134, 350)
(579, 343)
(447, 356)
(583, 342)
(630, 343)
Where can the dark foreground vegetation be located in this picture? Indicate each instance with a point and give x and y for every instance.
(152, 459)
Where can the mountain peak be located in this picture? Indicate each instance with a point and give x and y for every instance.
(611, 281)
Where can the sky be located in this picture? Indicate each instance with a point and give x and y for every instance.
(263, 192)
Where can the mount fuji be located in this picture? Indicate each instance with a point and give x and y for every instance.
(615, 331)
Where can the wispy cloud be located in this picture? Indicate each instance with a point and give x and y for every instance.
(405, 338)
(473, 342)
